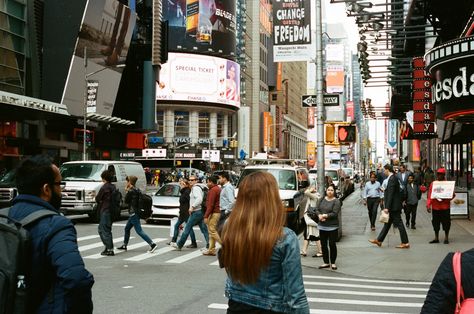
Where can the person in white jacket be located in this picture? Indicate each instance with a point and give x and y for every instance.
(311, 232)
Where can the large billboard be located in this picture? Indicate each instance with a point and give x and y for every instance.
(201, 26)
(291, 30)
(106, 31)
(199, 78)
(335, 79)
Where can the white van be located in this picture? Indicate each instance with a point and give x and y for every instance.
(83, 182)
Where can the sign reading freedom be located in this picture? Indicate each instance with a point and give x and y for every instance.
(291, 30)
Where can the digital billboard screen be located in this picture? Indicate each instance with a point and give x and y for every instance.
(201, 26)
(199, 78)
(106, 31)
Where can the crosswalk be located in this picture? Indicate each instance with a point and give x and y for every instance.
(137, 250)
(349, 295)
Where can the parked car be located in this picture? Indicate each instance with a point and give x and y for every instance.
(292, 182)
(313, 176)
(166, 202)
(8, 189)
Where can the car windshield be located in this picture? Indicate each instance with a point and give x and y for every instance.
(8, 178)
(332, 174)
(82, 172)
(348, 172)
(315, 171)
(286, 178)
(168, 190)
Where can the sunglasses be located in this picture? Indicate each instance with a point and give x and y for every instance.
(192, 179)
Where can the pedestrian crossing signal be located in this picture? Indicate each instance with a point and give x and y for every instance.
(346, 133)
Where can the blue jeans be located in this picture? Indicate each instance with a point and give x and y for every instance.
(196, 218)
(105, 230)
(134, 221)
(176, 232)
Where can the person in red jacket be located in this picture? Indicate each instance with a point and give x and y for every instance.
(441, 210)
(213, 213)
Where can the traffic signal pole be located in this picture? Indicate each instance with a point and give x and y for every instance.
(319, 99)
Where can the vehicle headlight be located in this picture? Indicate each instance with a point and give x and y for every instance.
(89, 196)
(288, 204)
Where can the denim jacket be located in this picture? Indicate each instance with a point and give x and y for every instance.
(279, 287)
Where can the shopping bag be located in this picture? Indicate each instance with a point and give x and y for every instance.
(384, 217)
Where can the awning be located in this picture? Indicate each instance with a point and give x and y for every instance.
(109, 119)
(18, 107)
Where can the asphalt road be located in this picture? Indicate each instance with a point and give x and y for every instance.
(169, 281)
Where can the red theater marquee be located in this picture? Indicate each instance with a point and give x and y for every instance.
(423, 110)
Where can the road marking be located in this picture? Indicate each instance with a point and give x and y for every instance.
(216, 263)
(370, 280)
(143, 226)
(363, 302)
(98, 244)
(185, 258)
(217, 306)
(144, 256)
(378, 294)
(87, 237)
(364, 286)
(130, 247)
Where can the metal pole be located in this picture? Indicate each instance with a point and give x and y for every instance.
(84, 126)
(319, 98)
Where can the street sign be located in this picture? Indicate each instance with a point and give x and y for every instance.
(331, 99)
(392, 133)
(308, 101)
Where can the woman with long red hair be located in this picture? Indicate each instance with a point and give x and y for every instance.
(261, 256)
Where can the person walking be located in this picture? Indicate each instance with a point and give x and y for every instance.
(261, 253)
(413, 195)
(195, 216)
(57, 278)
(226, 198)
(371, 196)
(441, 210)
(392, 206)
(212, 215)
(103, 199)
(311, 232)
(132, 199)
(328, 225)
(183, 212)
(442, 295)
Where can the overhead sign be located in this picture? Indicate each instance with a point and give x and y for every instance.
(150, 152)
(328, 100)
(212, 155)
(392, 133)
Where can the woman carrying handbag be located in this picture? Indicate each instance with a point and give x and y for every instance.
(311, 232)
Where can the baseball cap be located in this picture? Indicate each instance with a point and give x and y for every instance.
(441, 170)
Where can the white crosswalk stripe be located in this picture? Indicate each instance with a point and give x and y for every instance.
(349, 295)
(90, 237)
(129, 248)
(145, 256)
(83, 248)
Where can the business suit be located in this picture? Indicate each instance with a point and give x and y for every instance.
(393, 202)
(413, 195)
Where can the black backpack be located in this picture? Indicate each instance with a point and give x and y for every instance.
(204, 198)
(145, 203)
(15, 262)
(115, 204)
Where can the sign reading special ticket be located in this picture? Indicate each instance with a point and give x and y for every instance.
(442, 189)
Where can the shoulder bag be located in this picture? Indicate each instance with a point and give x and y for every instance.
(384, 217)
(463, 306)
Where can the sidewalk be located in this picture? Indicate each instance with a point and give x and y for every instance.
(358, 257)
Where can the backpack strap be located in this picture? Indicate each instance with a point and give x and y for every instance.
(37, 215)
(4, 212)
(457, 277)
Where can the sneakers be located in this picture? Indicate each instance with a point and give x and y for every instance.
(176, 246)
(170, 243)
(123, 247)
(108, 253)
(153, 247)
(192, 246)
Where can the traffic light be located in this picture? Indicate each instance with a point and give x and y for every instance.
(329, 133)
(346, 133)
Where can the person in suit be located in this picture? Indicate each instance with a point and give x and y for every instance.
(413, 195)
(393, 206)
(402, 175)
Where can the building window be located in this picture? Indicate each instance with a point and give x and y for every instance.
(204, 124)
(220, 125)
(181, 124)
(160, 123)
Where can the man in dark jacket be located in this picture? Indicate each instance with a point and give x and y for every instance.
(212, 214)
(60, 282)
(441, 297)
(393, 206)
(104, 200)
(413, 195)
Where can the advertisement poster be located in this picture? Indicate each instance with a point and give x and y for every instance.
(460, 205)
(291, 30)
(335, 79)
(442, 189)
(191, 77)
(201, 26)
(106, 31)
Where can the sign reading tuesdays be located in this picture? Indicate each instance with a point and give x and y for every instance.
(291, 30)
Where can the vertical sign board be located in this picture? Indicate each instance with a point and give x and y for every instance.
(291, 30)
(267, 122)
(392, 133)
(350, 111)
(92, 89)
(311, 113)
(335, 79)
(423, 110)
(244, 129)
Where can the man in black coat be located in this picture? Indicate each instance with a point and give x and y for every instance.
(393, 206)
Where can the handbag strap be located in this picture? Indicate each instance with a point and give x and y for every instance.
(457, 277)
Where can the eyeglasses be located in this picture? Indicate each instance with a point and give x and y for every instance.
(192, 179)
(62, 185)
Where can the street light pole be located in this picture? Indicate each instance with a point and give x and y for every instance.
(319, 98)
(84, 125)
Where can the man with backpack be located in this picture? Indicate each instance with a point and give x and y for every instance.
(55, 276)
(195, 215)
(132, 199)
